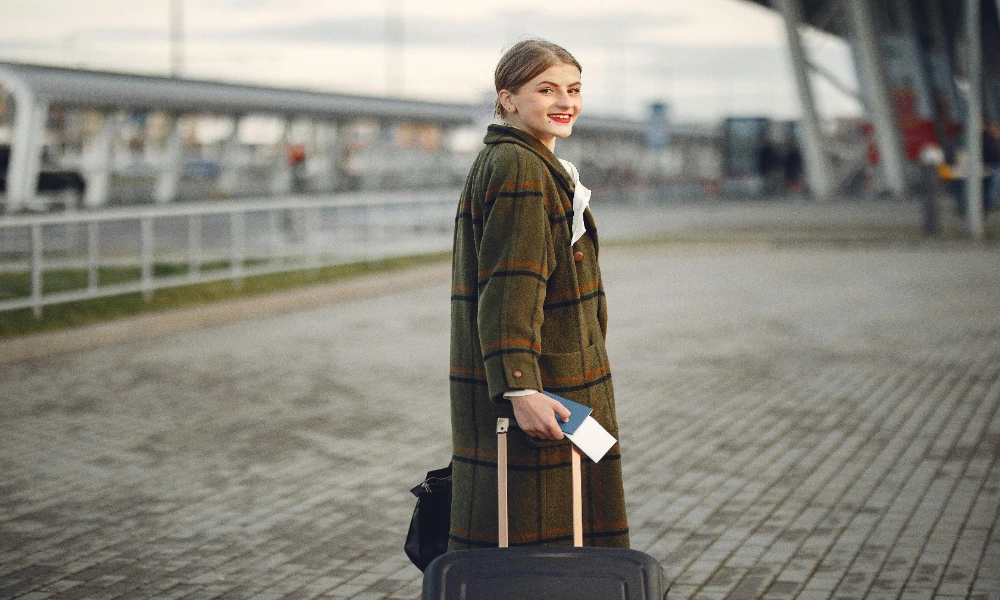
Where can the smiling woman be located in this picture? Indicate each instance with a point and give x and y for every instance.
(538, 89)
(529, 314)
(546, 106)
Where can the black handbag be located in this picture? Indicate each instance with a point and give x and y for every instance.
(428, 535)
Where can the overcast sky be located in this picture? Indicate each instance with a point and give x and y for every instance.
(706, 58)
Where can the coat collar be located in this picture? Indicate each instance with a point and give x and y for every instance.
(500, 134)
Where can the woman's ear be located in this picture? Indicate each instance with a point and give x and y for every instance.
(507, 101)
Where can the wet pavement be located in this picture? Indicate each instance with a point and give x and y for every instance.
(799, 419)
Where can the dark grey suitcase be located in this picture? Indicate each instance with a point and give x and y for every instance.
(543, 572)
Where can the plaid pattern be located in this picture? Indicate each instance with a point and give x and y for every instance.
(525, 314)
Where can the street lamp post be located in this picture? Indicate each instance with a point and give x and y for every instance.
(176, 38)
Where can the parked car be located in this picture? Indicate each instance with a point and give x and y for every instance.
(58, 188)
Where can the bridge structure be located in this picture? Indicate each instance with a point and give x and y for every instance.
(105, 108)
(254, 140)
(928, 77)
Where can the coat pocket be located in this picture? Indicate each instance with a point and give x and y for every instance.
(579, 376)
(575, 375)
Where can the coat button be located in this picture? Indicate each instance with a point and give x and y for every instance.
(578, 256)
(517, 373)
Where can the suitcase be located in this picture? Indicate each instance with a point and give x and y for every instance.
(543, 572)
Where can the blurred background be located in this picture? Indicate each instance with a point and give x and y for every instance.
(795, 204)
(347, 122)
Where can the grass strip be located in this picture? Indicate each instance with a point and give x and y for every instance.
(73, 314)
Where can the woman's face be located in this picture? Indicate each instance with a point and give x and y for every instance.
(547, 106)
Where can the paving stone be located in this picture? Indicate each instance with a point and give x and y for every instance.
(799, 421)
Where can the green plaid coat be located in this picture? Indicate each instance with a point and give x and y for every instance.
(527, 311)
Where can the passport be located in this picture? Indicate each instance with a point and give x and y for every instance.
(578, 413)
(583, 430)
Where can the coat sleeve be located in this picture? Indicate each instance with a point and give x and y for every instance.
(516, 257)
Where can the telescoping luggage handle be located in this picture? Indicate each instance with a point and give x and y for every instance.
(503, 425)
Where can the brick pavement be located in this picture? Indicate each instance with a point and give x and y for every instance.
(804, 421)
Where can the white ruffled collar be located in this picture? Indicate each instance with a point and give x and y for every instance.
(581, 200)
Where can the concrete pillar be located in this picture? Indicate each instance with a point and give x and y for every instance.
(172, 165)
(30, 118)
(887, 135)
(926, 44)
(229, 173)
(998, 12)
(921, 84)
(991, 92)
(991, 74)
(817, 162)
(97, 161)
(324, 155)
(440, 157)
(281, 179)
(974, 121)
(941, 63)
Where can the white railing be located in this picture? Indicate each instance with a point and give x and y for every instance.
(182, 244)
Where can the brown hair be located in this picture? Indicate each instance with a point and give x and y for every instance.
(523, 62)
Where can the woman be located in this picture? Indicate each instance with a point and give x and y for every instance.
(529, 314)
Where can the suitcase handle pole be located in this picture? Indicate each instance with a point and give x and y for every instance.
(577, 499)
(503, 526)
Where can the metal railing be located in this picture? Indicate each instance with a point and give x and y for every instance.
(51, 259)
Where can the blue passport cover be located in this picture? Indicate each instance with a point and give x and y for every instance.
(578, 413)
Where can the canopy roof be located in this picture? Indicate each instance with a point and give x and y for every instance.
(828, 15)
(104, 89)
(113, 90)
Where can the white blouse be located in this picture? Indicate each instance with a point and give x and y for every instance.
(581, 200)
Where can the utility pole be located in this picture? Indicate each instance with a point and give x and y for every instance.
(974, 121)
(395, 75)
(176, 38)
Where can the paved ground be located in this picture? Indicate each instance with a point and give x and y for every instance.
(799, 420)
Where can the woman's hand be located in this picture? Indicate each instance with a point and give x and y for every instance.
(536, 415)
